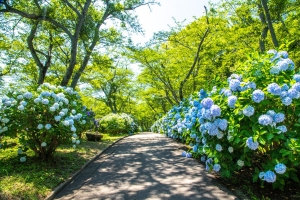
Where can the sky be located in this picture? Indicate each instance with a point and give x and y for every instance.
(161, 17)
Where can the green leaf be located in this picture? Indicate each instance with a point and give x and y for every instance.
(255, 178)
(270, 136)
(261, 141)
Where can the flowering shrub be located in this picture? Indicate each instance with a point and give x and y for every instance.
(42, 118)
(118, 123)
(250, 121)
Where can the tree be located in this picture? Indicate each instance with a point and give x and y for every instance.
(82, 24)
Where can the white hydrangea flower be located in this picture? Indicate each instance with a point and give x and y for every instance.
(23, 159)
(56, 105)
(66, 123)
(40, 126)
(57, 118)
(48, 126)
(73, 129)
(74, 146)
(21, 107)
(52, 109)
(83, 121)
(220, 135)
(71, 121)
(28, 95)
(74, 135)
(5, 120)
(37, 100)
(44, 144)
(240, 163)
(77, 141)
(24, 103)
(61, 113)
(19, 97)
(73, 140)
(45, 101)
(230, 149)
(73, 112)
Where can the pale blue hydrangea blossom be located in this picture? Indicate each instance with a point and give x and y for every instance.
(258, 96)
(269, 176)
(217, 167)
(265, 120)
(251, 144)
(274, 89)
(219, 147)
(240, 163)
(207, 103)
(248, 111)
(231, 101)
(282, 129)
(280, 168)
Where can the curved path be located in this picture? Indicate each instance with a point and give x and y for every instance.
(144, 166)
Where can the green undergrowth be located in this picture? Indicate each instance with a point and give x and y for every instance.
(35, 179)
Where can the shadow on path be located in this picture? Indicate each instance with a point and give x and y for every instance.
(144, 166)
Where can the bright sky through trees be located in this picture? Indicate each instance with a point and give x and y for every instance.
(158, 18)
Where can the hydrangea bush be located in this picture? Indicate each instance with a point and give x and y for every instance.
(250, 121)
(118, 123)
(42, 118)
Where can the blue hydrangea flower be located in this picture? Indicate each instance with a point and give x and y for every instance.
(183, 153)
(226, 92)
(198, 139)
(193, 135)
(208, 162)
(286, 101)
(206, 114)
(279, 117)
(211, 128)
(293, 94)
(215, 110)
(282, 129)
(195, 148)
(204, 140)
(285, 87)
(189, 155)
(217, 167)
(202, 94)
(207, 103)
(235, 76)
(251, 144)
(219, 147)
(203, 158)
(283, 94)
(252, 85)
(265, 120)
(272, 113)
(291, 64)
(274, 89)
(270, 177)
(296, 86)
(296, 77)
(222, 124)
(231, 101)
(261, 175)
(283, 64)
(258, 96)
(280, 168)
(248, 111)
(283, 54)
(234, 85)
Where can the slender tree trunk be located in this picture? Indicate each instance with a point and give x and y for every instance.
(269, 20)
(264, 31)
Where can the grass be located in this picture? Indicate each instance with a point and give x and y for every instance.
(35, 179)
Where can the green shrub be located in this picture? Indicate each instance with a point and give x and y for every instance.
(118, 123)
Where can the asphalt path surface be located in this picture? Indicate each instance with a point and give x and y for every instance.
(144, 166)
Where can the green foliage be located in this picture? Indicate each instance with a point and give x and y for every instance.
(118, 123)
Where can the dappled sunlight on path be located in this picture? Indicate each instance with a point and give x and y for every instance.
(144, 166)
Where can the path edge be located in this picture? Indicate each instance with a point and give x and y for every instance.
(73, 176)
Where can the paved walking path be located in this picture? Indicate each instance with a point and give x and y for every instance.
(144, 166)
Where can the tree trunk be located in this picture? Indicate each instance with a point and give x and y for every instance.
(270, 25)
(264, 31)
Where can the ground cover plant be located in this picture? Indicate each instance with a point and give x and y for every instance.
(248, 123)
(34, 179)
